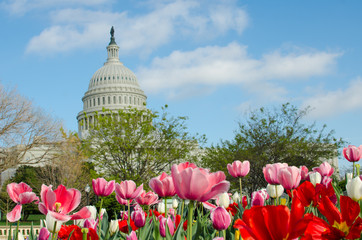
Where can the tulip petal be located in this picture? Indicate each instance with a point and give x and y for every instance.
(81, 214)
(15, 214)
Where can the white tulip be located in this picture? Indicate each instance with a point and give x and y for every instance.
(273, 190)
(113, 226)
(354, 189)
(20, 236)
(349, 177)
(93, 211)
(236, 197)
(50, 221)
(315, 177)
(161, 207)
(224, 200)
(174, 203)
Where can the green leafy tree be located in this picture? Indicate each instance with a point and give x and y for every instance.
(139, 144)
(270, 136)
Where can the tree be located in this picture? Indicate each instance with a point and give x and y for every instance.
(139, 144)
(270, 136)
(27, 134)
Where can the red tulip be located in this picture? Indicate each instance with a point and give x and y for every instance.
(271, 172)
(127, 189)
(325, 169)
(238, 169)
(149, 198)
(163, 185)
(103, 188)
(74, 232)
(352, 153)
(289, 177)
(197, 183)
(60, 202)
(220, 218)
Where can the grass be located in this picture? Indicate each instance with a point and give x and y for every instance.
(33, 218)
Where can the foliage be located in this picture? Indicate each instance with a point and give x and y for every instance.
(139, 144)
(270, 136)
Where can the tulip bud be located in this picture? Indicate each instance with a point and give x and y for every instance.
(174, 203)
(315, 177)
(161, 207)
(275, 191)
(43, 234)
(132, 236)
(50, 222)
(162, 228)
(138, 218)
(220, 218)
(113, 226)
(236, 197)
(224, 200)
(354, 189)
(124, 215)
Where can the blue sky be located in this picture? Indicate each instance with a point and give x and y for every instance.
(209, 60)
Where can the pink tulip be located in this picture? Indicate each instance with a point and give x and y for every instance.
(220, 218)
(163, 222)
(271, 172)
(218, 238)
(103, 188)
(90, 223)
(238, 169)
(326, 181)
(122, 201)
(124, 215)
(127, 189)
(21, 193)
(352, 153)
(257, 199)
(60, 202)
(304, 172)
(197, 183)
(325, 169)
(289, 177)
(163, 185)
(138, 217)
(44, 234)
(132, 236)
(15, 214)
(149, 198)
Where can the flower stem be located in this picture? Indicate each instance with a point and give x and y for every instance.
(99, 218)
(241, 190)
(189, 221)
(182, 208)
(85, 232)
(276, 194)
(54, 230)
(129, 213)
(353, 174)
(165, 207)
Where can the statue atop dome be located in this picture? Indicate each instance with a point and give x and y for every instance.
(113, 40)
(112, 32)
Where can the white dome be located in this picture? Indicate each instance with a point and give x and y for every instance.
(112, 87)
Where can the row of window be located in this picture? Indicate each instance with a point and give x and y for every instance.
(114, 78)
(120, 100)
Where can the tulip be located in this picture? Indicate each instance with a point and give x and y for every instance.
(138, 218)
(163, 185)
(53, 225)
(289, 177)
(325, 169)
(238, 169)
(349, 177)
(163, 222)
(93, 211)
(21, 193)
(60, 202)
(257, 199)
(326, 181)
(15, 214)
(124, 215)
(174, 203)
(271, 172)
(236, 197)
(132, 236)
(127, 189)
(220, 218)
(148, 199)
(20, 236)
(90, 223)
(275, 191)
(304, 172)
(315, 177)
(354, 189)
(43, 234)
(113, 227)
(352, 153)
(122, 201)
(224, 200)
(102, 188)
(219, 238)
(161, 207)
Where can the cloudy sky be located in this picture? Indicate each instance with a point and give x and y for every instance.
(209, 60)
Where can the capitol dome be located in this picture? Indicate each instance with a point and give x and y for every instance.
(112, 87)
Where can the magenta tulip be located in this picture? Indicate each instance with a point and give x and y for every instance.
(257, 199)
(325, 169)
(21, 193)
(289, 177)
(44, 234)
(220, 218)
(132, 236)
(352, 153)
(148, 199)
(128, 190)
(60, 202)
(138, 217)
(15, 214)
(102, 188)
(304, 173)
(197, 183)
(163, 222)
(163, 185)
(271, 172)
(238, 169)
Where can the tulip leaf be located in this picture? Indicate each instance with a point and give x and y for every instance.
(147, 229)
(179, 234)
(105, 227)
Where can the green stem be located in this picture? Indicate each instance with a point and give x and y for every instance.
(54, 229)
(17, 230)
(165, 207)
(129, 213)
(189, 221)
(99, 218)
(182, 208)
(85, 233)
(241, 190)
(276, 194)
(224, 233)
(353, 170)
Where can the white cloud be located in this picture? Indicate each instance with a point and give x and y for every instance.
(335, 102)
(82, 28)
(214, 66)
